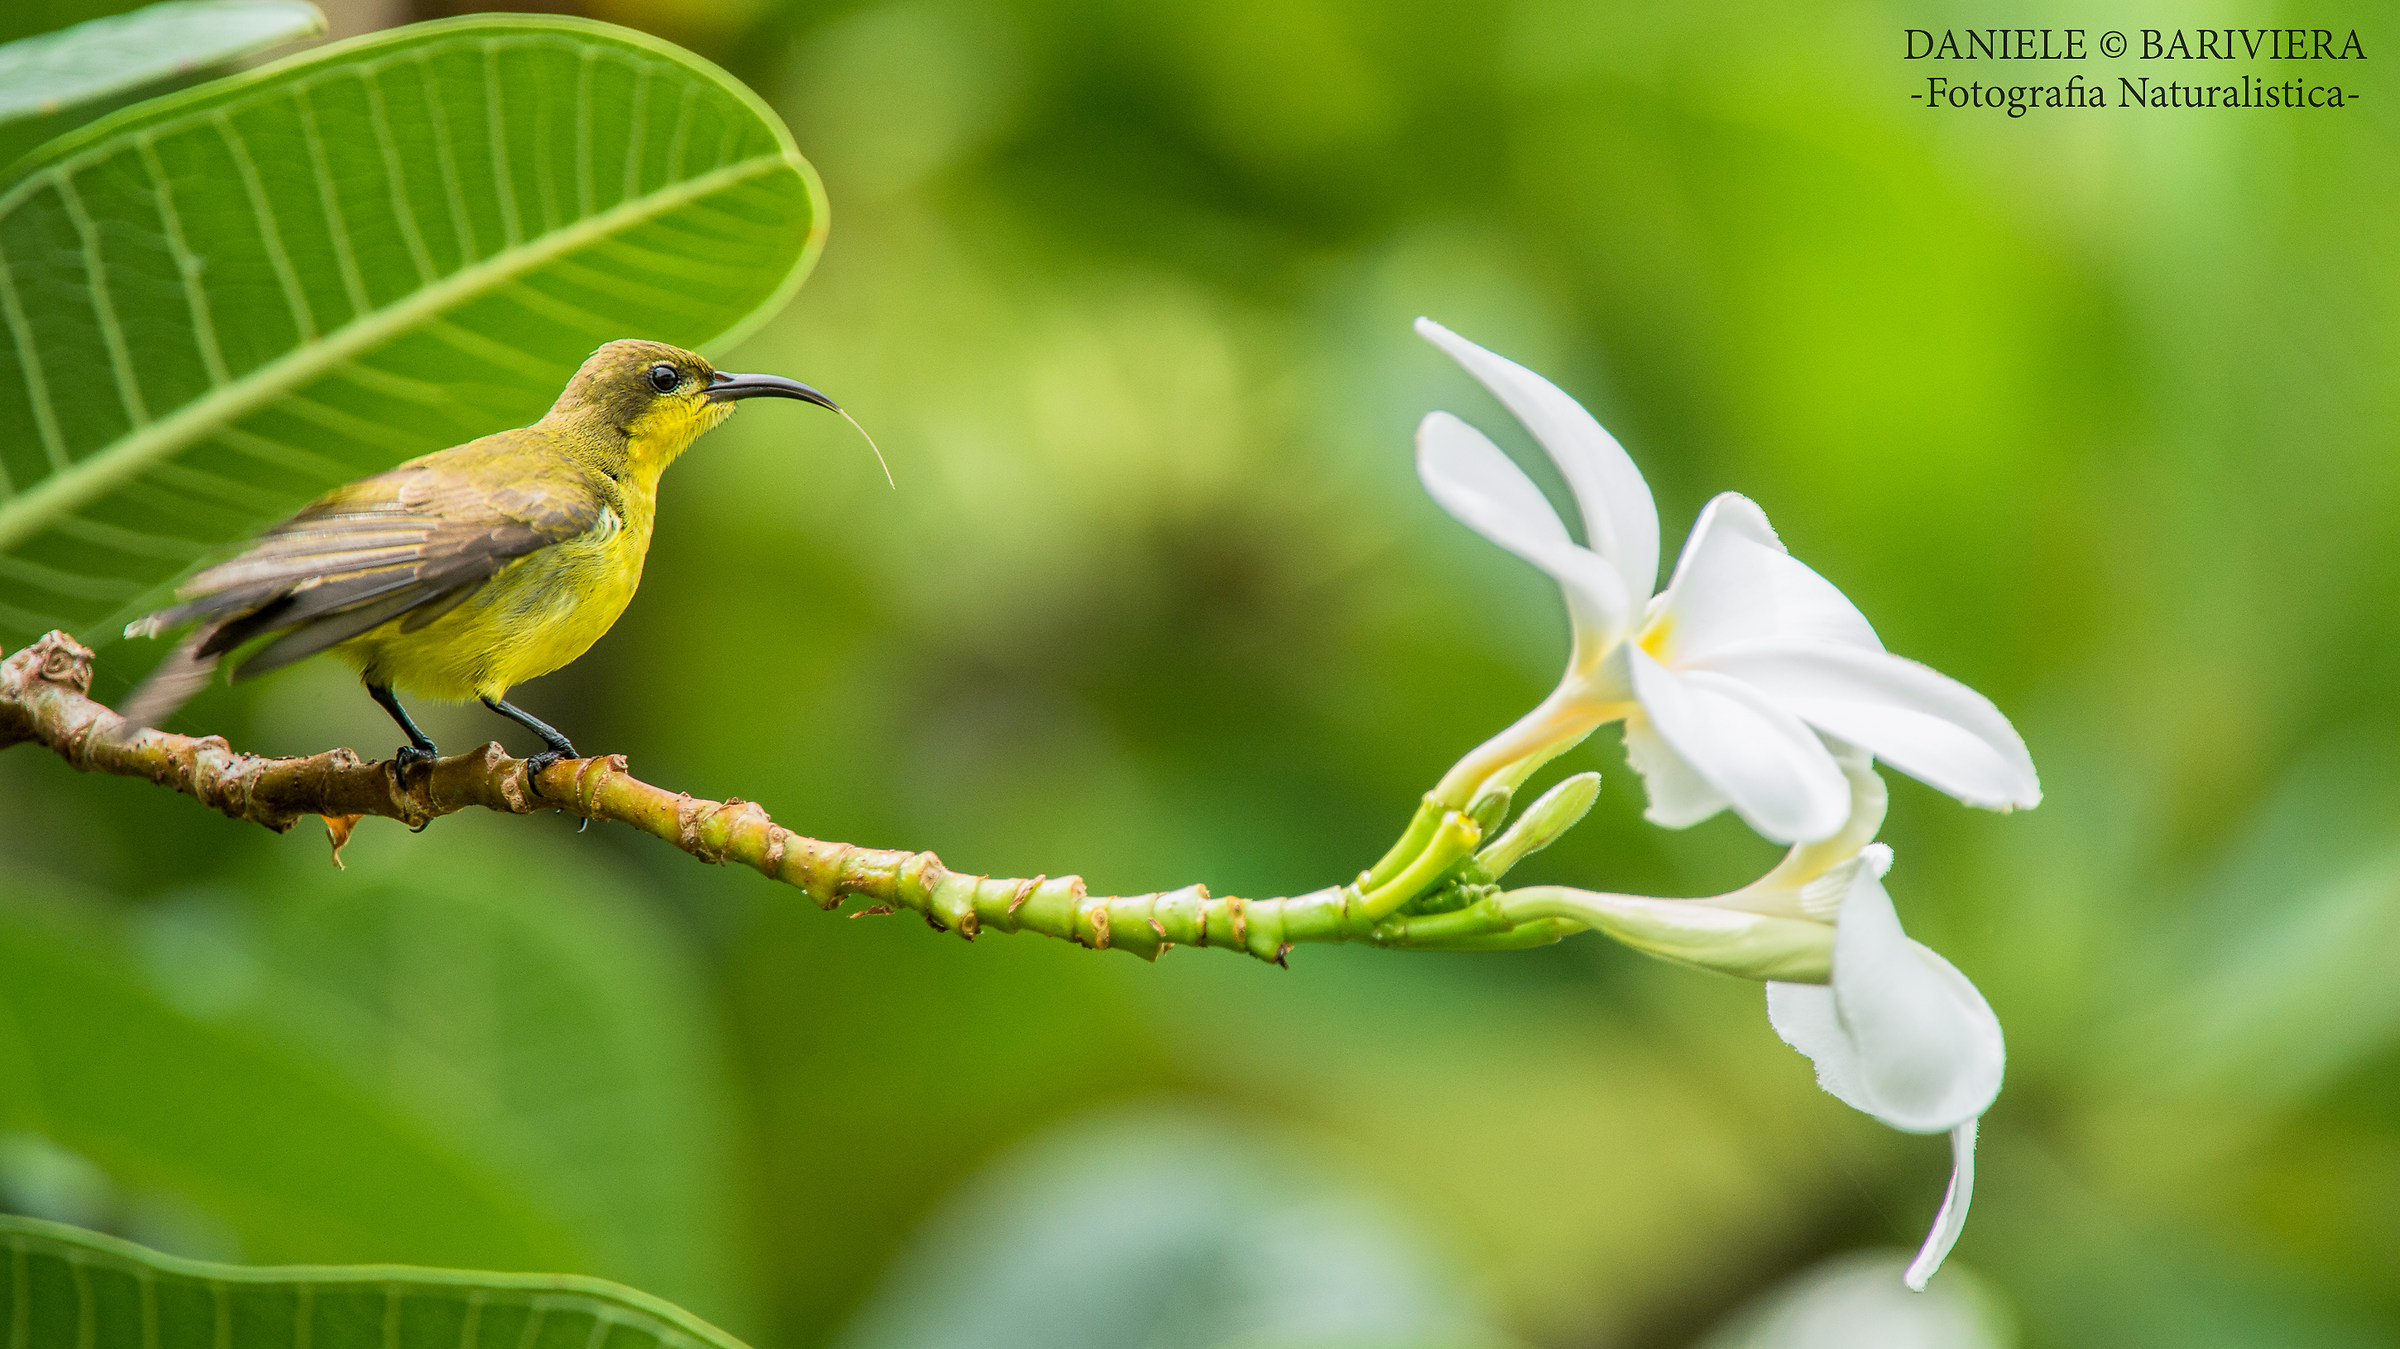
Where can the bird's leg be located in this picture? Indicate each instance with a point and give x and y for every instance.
(420, 747)
(559, 746)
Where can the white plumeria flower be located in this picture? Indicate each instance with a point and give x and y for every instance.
(1894, 1030)
(1731, 679)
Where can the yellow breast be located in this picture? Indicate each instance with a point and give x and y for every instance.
(535, 615)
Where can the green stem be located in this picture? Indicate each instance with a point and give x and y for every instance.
(1453, 841)
(44, 699)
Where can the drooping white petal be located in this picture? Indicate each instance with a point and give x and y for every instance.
(1899, 1033)
(1679, 796)
(1735, 583)
(1469, 476)
(1774, 771)
(1916, 719)
(1952, 1219)
(1619, 517)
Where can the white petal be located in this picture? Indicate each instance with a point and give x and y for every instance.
(1773, 770)
(1953, 1218)
(1899, 1033)
(1477, 482)
(1735, 583)
(1619, 518)
(1679, 796)
(1480, 487)
(1803, 1015)
(1916, 719)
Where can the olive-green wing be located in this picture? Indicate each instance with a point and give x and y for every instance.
(410, 545)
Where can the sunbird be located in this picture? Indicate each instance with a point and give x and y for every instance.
(462, 573)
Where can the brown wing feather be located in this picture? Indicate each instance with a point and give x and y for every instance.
(409, 544)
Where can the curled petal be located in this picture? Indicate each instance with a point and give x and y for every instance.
(1916, 719)
(1953, 1218)
(1690, 931)
(1899, 1033)
(1470, 478)
(1813, 879)
(1619, 517)
(1775, 772)
(1679, 796)
(1735, 583)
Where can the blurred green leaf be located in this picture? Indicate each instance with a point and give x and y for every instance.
(2267, 988)
(223, 302)
(297, 1160)
(1857, 1301)
(46, 74)
(1161, 1229)
(24, 21)
(79, 1288)
(2096, 1267)
(518, 1000)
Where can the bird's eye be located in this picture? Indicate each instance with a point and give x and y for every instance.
(664, 377)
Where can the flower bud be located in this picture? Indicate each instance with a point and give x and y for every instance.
(1489, 808)
(1542, 824)
(1692, 932)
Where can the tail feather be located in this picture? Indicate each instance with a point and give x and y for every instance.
(183, 673)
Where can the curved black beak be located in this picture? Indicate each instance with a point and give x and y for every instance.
(725, 388)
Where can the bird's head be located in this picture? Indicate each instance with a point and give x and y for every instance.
(662, 398)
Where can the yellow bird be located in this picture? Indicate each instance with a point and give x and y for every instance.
(465, 572)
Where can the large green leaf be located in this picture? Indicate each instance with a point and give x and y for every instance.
(42, 75)
(515, 995)
(70, 1288)
(222, 302)
(295, 1159)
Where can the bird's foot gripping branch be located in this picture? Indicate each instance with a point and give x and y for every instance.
(1748, 683)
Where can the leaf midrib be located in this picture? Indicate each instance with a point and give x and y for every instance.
(121, 459)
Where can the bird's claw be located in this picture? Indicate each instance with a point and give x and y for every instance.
(409, 756)
(535, 765)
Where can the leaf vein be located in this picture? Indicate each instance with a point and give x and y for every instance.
(583, 135)
(104, 309)
(187, 265)
(269, 236)
(640, 121)
(679, 142)
(73, 585)
(37, 384)
(453, 186)
(402, 210)
(503, 183)
(354, 284)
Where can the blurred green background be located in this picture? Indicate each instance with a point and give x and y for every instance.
(2091, 410)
